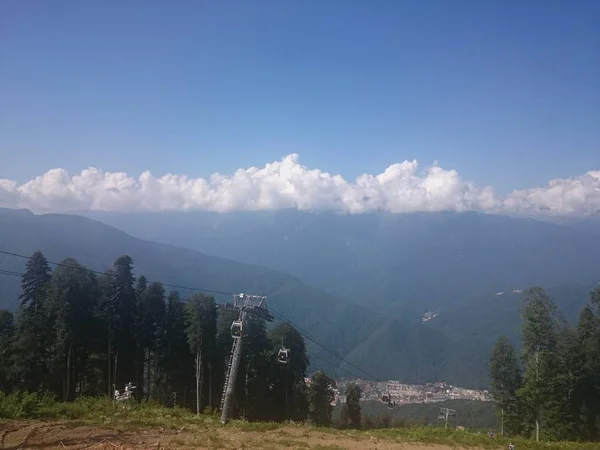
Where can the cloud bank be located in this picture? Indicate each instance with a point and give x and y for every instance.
(401, 188)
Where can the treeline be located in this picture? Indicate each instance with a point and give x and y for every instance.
(550, 389)
(78, 334)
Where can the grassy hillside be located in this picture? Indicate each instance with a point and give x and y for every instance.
(96, 423)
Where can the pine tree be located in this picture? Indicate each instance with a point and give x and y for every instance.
(72, 295)
(321, 395)
(7, 331)
(288, 385)
(353, 396)
(588, 339)
(201, 318)
(563, 406)
(33, 334)
(344, 416)
(506, 378)
(539, 348)
(176, 362)
(102, 372)
(34, 283)
(252, 386)
(124, 300)
(151, 315)
(141, 340)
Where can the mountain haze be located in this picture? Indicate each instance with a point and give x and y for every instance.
(400, 264)
(343, 326)
(452, 264)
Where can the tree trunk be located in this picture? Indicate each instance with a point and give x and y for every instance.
(68, 384)
(210, 403)
(155, 389)
(286, 414)
(115, 380)
(246, 401)
(108, 375)
(197, 381)
(147, 358)
(537, 377)
(198, 377)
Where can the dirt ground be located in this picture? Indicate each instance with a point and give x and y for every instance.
(63, 435)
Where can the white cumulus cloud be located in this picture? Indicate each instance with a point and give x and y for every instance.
(575, 195)
(402, 187)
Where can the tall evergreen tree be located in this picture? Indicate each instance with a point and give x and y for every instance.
(353, 396)
(344, 416)
(141, 339)
(563, 405)
(34, 283)
(123, 293)
(588, 339)
(288, 385)
(151, 314)
(539, 349)
(321, 395)
(506, 378)
(101, 374)
(72, 295)
(7, 331)
(33, 335)
(253, 377)
(201, 324)
(176, 361)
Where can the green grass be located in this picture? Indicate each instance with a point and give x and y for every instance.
(101, 411)
(438, 435)
(87, 410)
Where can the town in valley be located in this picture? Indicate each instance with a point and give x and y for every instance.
(411, 393)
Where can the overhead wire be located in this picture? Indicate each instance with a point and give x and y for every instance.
(211, 291)
(98, 272)
(320, 344)
(11, 273)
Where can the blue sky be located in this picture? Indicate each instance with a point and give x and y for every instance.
(505, 92)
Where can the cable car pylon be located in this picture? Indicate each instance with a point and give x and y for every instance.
(245, 304)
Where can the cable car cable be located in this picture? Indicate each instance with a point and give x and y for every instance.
(208, 291)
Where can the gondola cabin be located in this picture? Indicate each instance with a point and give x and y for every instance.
(236, 329)
(283, 355)
(387, 398)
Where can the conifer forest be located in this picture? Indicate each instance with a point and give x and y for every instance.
(78, 333)
(548, 387)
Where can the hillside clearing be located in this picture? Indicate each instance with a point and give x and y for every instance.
(70, 435)
(33, 421)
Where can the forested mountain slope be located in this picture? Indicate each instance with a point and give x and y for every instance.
(453, 347)
(402, 264)
(343, 326)
(96, 246)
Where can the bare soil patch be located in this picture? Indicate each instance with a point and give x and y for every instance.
(68, 435)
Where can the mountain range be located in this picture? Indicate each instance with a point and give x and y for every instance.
(398, 264)
(360, 284)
